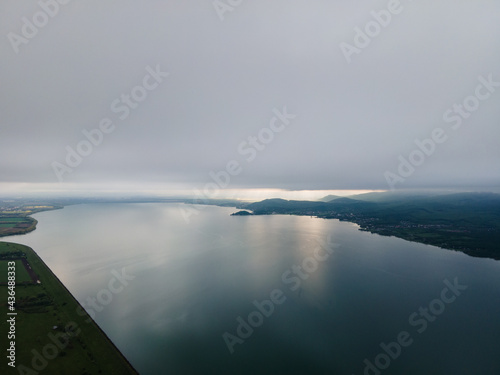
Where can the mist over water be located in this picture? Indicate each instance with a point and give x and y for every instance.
(190, 283)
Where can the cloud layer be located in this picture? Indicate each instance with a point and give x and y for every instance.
(231, 67)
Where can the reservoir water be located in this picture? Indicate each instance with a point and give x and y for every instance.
(271, 294)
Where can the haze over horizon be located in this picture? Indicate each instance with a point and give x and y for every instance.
(168, 96)
(250, 186)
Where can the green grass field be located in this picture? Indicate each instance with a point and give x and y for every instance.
(11, 222)
(21, 273)
(11, 225)
(12, 219)
(40, 308)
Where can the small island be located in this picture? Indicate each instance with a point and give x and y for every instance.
(242, 213)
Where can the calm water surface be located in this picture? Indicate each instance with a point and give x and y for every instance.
(194, 282)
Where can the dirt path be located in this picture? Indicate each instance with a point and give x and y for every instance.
(33, 275)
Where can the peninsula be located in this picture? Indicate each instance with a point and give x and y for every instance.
(49, 332)
(466, 222)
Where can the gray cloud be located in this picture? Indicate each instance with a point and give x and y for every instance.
(353, 119)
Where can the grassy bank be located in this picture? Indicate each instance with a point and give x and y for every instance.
(53, 335)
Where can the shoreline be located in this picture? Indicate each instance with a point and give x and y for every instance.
(32, 228)
(386, 232)
(367, 222)
(87, 316)
(25, 216)
(90, 347)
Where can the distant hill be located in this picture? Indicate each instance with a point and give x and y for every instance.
(347, 201)
(269, 206)
(468, 222)
(328, 198)
(392, 196)
(277, 205)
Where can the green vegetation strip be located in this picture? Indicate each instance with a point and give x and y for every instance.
(16, 225)
(53, 334)
(21, 273)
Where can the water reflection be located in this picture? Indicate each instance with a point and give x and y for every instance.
(192, 282)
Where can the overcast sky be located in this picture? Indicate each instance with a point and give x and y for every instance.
(350, 107)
